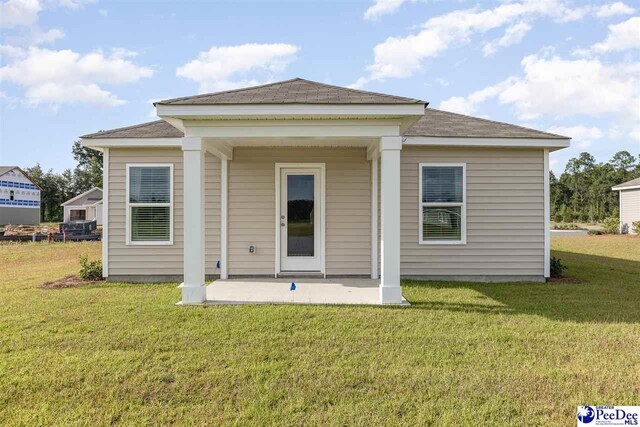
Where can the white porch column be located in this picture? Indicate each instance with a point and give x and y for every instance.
(193, 287)
(390, 290)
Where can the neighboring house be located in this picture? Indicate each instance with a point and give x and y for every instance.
(299, 177)
(19, 197)
(84, 207)
(629, 204)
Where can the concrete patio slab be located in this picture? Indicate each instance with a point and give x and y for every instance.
(308, 291)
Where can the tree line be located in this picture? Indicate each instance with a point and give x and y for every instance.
(583, 191)
(57, 188)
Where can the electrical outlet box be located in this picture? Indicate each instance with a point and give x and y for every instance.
(252, 249)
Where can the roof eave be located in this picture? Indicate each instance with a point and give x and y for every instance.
(552, 144)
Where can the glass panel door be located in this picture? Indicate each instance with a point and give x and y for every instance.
(300, 219)
(300, 215)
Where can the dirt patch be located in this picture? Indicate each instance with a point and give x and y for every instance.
(566, 279)
(71, 281)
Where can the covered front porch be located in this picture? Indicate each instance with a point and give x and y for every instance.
(259, 150)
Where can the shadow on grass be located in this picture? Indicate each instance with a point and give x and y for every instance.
(610, 293)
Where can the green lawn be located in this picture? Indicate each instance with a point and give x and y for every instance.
(482, 354)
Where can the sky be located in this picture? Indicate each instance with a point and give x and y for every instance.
(71, 67)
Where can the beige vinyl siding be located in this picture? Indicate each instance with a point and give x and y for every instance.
(629, 208)
(161, 259)
(252, 207)
(505, 214)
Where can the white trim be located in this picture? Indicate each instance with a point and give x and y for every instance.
(130, 205)
(463, 206)
(291, 110)
(547, 216)
(81, 195)
(131, 142)
(390, 289)
(224, 186)
(105, 213)
(291, 129)
(487, 142)
(374, 218)
(620, 211)
(323, 174)
(633, 187)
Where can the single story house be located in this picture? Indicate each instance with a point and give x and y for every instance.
(629, 204)
(84, 207)
(19, 197)
(299, 178)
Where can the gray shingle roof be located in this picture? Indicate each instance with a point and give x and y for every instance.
(445, 124)
(295, 91)
(434, 123)
(157, 129)
(632, 183)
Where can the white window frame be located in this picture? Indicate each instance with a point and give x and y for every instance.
(131, 205)
(463, 206)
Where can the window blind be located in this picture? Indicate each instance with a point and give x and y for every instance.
(442, 203)
(150, 203)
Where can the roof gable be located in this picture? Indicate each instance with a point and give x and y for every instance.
(5, 169)
(294, 91)
(80, 199)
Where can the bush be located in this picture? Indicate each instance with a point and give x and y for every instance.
(595, 232)
(557, 217)
(635, 227)
(557, 267)
(611, 225)
(90, 270)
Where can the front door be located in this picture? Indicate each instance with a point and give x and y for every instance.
(300, 219)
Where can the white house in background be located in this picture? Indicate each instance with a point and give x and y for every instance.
(84, 207)
(19, 197)
(300, 179)
(629, 204)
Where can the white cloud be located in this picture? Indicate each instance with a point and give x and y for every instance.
(623, 36)
(63, 76)
(103, 12)
(383, 7)
(399, 57)
(70, 4)
(19, 13)
(582, 136)
(226, 67)
(561, 88)
(512, 35)
(613, 9)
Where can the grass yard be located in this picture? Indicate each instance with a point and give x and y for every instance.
(462, 354)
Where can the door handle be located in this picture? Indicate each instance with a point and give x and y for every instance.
(282, 224)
